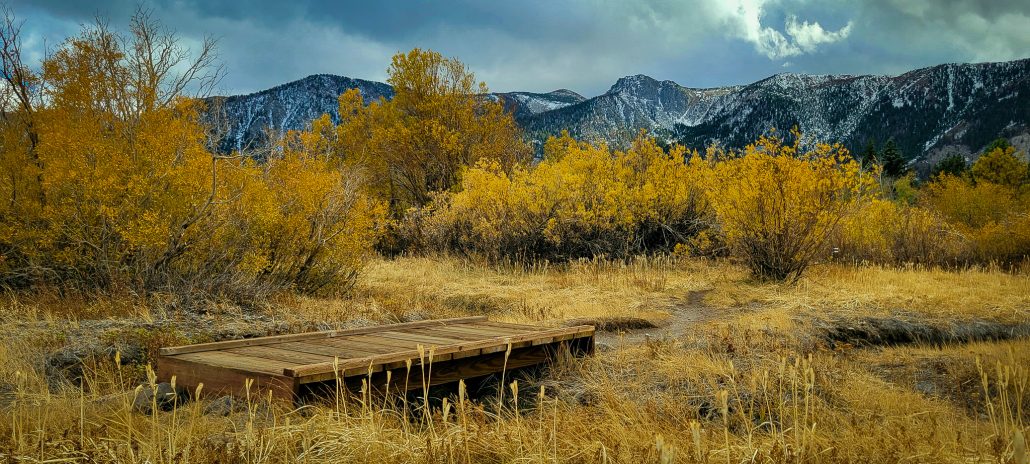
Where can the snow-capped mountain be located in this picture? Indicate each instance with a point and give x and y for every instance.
(929, 112)
(248, 120)
(527, 104)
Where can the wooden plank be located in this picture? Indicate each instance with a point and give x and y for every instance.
(332, 350)
(374, 343)
(314, 370)
(388, 346)
(453, 332)
(481, 332)
(402, 344)
(462, 348)
(409, 342)
(452, 371)
(418, 338)
(276, 353)
(491, 345)
(237, 361)
(505, 325)
(220, 380)
(308, 336)
(469, 328)
(483, 365)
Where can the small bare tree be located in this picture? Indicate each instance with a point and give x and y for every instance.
(162, 69)
(21, 92)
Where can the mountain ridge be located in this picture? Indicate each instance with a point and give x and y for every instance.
(930, 112)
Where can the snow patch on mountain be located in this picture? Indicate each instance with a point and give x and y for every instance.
(925, 110)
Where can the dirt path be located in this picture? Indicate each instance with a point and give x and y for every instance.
(684, 313)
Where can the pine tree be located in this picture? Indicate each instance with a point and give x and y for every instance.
(892, 160)
(954, 165)
(869, 156)
(998, 143)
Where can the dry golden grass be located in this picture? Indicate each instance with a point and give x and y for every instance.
(737, 371)
(542, 294)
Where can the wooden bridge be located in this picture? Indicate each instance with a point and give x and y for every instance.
(294, 365)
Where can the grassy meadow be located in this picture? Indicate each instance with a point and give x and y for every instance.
(696, 362)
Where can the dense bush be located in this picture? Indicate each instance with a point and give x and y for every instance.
(992, 219)
(979, 216)
(108, 181)
(582, 200)
(778, 205)
(890, 232)
(772, 204)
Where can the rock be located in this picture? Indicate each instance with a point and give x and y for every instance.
(926, 387)
(166, 398)
(603, 347)
(63, 365)
(222, 406)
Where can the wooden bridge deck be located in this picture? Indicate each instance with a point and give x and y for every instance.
(290, 365)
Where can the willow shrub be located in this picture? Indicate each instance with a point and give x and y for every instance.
(889, 232)
(106, 186)
(773, 205)
(778, 205)
(582, 200)
(992, 220)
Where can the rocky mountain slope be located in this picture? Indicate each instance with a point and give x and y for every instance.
(246, 121)
(929, 112)
(524, 105)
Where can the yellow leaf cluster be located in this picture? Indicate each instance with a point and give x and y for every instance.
(775, 205)
(982, 217)
(107, 180)
(884, 231)
(993, 220)
(437, 123)
(778, 204)
(581, 200)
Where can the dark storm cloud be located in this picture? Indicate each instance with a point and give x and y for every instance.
(584, 45)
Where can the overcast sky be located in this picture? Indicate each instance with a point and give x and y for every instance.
(583, 45)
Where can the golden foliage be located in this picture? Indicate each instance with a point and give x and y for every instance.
(1001, 166)
(993, 219)
(436, 124)
(582, 200)
(126, 193)
(884, 231)
(778, 204)
(320, 226)
(949, 221)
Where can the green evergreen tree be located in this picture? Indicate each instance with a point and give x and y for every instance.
(869, 156)
(954, 165)
(892, 160)
(1000, 142)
